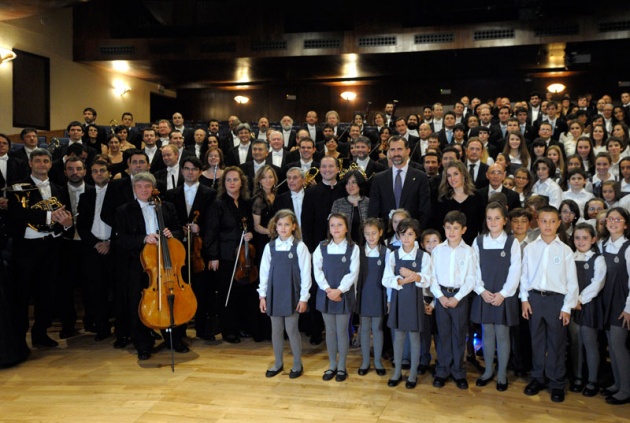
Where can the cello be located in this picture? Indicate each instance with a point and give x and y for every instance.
(168, 301)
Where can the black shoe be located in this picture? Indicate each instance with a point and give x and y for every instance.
(232, 339)
(69, 332)
(576, 386)
(557, 395)
(329, 374)
(615, 401)
(363, 372)
(341, 375)
(272, 373)
(461, 383)
(156, 336)
(294, 374)
(590, 390)
(122, 342)
(534, 387)
(439, 382)
(482, 382)
(380, 372)
(410, 385)
(144, 355)
(102, 335)
(608, 392)
(43, 341)
(422, 369)
(502, 387)
(316, 340)
(245, 334)
(394, 382)
(181, 348)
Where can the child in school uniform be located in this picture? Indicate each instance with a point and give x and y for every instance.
(336, 270)
(586, 318)
(496, 307)
(429, 240)
(549, 290)
(407, 270)
(371, 303)
(616, 301)
(285, 280)
(454, 277)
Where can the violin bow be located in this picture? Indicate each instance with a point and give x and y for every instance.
(238, 252)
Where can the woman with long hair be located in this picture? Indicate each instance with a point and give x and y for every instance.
(516, 149)
(213, 168)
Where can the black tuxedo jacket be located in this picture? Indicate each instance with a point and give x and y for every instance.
(319, 135)
(248, 169)
(285, 158)
(292, 139)
(69, 234)
(203, 199)
(415, 196)
(232, 157)
(482, 179)
(19, 153)
(513, 199)
(17, 170)
(62, 151)
(157, 163)
(161, 175)
(85, 219)
(119, 192)
(191, 150)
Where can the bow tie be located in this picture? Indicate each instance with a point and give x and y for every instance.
(295, 195)
(277, 154)
(74, 189)
(44, 184)
(4, 158)
(191, 188)
(100, 189)
(170, 169)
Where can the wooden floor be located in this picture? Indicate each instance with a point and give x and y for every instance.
(85, 381)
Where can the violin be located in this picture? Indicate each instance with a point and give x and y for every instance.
(168, 301)
(198, 263)
(247, 271)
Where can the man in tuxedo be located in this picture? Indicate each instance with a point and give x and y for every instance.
(96, 254)
(427, 115)
(263, 129)
(496, 175)
(171, 176)
(192, 202)
(306, 157)
(400, 186)
(152, 149)
(30, 142)
(260, 152)
(200, 144)
(420, 149)
(36, 248)
(137, 225)
(176, 138)
(438, 117)
(390, 119)
(12, 170)
(213, 128)
(412, 124)
(178, 125)
(279, 156)
(625, 103)
(401, 129)
(458, 109)
(362, 158)
(75, 135)
(534, 113)
(558, 125)
(89, 116)
(134, 135)
(164, 130)
(314, 131)
(288, 134)
(526, 130)
(500, 128)
(243, 152)
(477, 168)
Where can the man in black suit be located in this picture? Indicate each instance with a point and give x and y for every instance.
(496, 175)
(477, 168)
(288, 134)
(176, 138)
(243, 152)
(362, 159)
(401, 129)
(171, 176)
(526, 130)
(263, 129)
(192, 202)
(152, 149)
(400, 186)
(137, 225)
(544, 131)
(133, 134)
(96, 252)
(558, 125)
(314, 131)
(278, 156)
(534, 112)
(390, 119)
(12, 170)
(75, 134)
(199, 146)
(446, 133)
(89, 116)
(30, 142)
(625, 103)
(36, 247)
(500, 130)
(178, 125)
(259, 155)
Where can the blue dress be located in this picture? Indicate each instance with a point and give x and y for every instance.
(335, 267)
(371, 294)
(283, 288)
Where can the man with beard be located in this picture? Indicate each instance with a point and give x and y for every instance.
(412, 125)
(288, 134)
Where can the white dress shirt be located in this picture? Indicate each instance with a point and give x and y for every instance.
(172, 176)
(596, 284)
(349, 281)
(150, 217)
(454, 268)
(403, 174)
(550, 267)
(298, 198)
(390, 278)
(100, 229)
(190, 191)
(514, 274)
(3, 167)
(437, 125)
(304, 261)
(613, 247)
(580, 198)
(243, 149)
(44, 190)
(150, 152)
(550, 189)
(276, 157)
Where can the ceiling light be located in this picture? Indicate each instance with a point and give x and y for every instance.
(556, 88)
(348, 95)
(120, 65)
(6, 55)
(241, 99)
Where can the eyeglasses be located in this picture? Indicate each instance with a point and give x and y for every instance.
(614, 220)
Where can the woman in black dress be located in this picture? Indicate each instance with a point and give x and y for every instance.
(213, 168)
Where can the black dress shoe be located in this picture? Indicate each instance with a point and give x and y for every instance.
(502, 387)
(44, 341)
(232, 339)
(608, 392)
(439, 382)
(272, 373)
(156, 336)
(102, 335)
(341, 375)
(576, 386)
(534, 387)
(363, 372)
(144, 355)
(422, 369)
(590, 390)
(557, 395)
(122, 342)
(66, 333)
(181, 348)
(394, 382)
(380, 372)
(461, 383)
(410, 385)
(615, 401)
(329, 374)
(482, 382)
(294, 374)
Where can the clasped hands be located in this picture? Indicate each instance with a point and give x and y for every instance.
(495, 299)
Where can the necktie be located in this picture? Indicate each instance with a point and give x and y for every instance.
(503, 130)
(522, 129)
(472, 171)
(398, 187)
(449, 135)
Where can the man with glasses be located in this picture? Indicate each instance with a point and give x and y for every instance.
(496, 176)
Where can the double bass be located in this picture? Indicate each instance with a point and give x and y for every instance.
(168, 301)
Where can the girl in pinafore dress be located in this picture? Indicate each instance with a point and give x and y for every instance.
(285, 280)
(336, 270)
